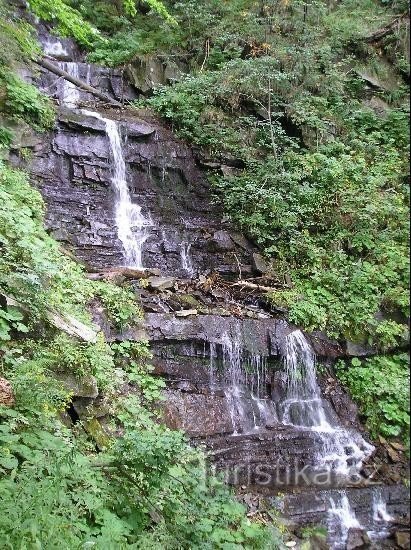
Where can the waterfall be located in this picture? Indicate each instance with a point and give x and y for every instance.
(341, 518)
(340, 451)
(242, 376)
(186, 261)
(131, 224)
(55, 48)
(69, 93)
(303, 405)
(381, 519)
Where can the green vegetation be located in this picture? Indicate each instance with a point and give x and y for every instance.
(381, 385)
(69, 494)
(124, 481)
(280, 92)
(323, 185)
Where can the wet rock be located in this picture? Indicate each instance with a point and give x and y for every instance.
(6, 393)
(197, 415)
(161, 283)
(139, 128)
(78, 120)
(222, 241)
(259, 264)
(324, 346)
(358, 349)
(358, 540)
(85, 386)
(402, 538)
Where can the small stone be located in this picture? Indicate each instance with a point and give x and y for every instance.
(291, 544)
(392, 453)
(402, 538)
(186, 312)
(6, 393)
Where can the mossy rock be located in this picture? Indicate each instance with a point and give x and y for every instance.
(96, 431)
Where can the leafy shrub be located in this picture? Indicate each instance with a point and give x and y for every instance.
(24, 101)
(119, 303)
(381, 387)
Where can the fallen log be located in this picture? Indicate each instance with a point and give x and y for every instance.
(254, 286)
(118, 273)
(63, 321)
(77, 82)
(385, 31)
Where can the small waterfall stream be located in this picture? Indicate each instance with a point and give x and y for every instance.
(242, 376)
(186, 261)
(69, 93)
(131, 224)
(341, 518)
(341, 452)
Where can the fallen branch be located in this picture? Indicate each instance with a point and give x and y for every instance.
(77, 82)
(122, 273)
(254, 286)
(385, 31)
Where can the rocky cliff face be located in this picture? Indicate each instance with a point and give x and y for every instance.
(222, 354)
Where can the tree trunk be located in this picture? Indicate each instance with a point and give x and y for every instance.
(77, 82)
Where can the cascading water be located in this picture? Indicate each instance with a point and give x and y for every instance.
(131, 224)
(303, 405)
(243, 378)
(341, 452)
(54, 48)
(69, 93)
(186, 261)
(341, 518)
(381, 519)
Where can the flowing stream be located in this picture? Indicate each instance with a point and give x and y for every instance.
(341, 451)
(341, 518)
(242, 376)
(131, 224)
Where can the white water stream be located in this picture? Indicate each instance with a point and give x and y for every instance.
(243, 378)
(69, 93)
(131, 224)
(186, 261)
(341, 518)
(341, 451)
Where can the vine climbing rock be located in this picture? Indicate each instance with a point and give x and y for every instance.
(6, 393)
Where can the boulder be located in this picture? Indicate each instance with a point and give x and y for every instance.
(259, 264)
(6, 393)
(222, 240)
(161, 283)
(359, 349)
(358, 540)
(402, 538)
(86, 386)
